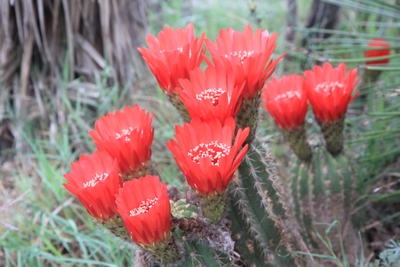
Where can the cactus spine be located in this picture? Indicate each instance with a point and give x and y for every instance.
(323, 191)
(256, 205)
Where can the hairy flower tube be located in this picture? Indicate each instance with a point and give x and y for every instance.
(286, 101)
(95, 180)
(210, 94)
(205, 154)
(127, 136)
(329, 91)
(379, 47)
(145, 209)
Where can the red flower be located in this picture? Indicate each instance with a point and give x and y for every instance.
(329, 90)
(385, 51)
(126, 135)
(145, 209)
(173, 55)
(247, 55)
(204, 153)
(286, 101)
(95, 180)
(209, 95)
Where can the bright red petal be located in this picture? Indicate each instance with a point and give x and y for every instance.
(384, 50)
(95, 180)
(247, 54)
(286, 101)
(205, 154)
(211, 94)
(173, 55)
(329, 90)
(125, 135)
(146, 213)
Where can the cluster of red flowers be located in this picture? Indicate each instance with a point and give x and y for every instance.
(123, 140)
(329, 91)
(239, 67)
(206, 149)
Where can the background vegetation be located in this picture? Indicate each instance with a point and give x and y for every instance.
(41, 224)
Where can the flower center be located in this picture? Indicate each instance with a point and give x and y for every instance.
(144, 207)
(124, 133)
(288, 95)
(96, 179)
(213, 151)
(212, 93)
(242, 55)
(329, 87)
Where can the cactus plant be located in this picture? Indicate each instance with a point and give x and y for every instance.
(236, 210)
(323, 191)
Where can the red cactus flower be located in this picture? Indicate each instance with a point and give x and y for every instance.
(247, 55)
(205, 154)
(209, 95)
(95, 180)
(329, 90)
(375, 44)
(173, 55)
(145, 209)
(126, 136)
(286, 101)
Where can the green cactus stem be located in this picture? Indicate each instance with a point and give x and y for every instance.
(213, 206)
(257, 196)
(201, 230)
(182, 209)
(167, 252)
(298, 142)
(323, 192)
(197, 253)
(180, 107)
(203, 241)
(247, 116)
(333, 135)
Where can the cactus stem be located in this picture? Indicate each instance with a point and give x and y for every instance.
(333, 134)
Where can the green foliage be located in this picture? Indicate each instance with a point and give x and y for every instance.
(390, 257)
(54, 229)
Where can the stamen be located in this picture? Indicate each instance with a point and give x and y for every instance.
(329, 87)
(241, 54)
(214, 151)
(124, 133)
(96, 179)
(288, 95)
(144, 207)
(212, 93)
(179, 49)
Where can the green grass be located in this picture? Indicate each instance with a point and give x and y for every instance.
(46, 226)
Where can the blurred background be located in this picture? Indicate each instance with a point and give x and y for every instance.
(65, 63)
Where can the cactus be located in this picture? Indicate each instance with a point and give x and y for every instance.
(253, 220)
(257, 206)
(323, 191)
